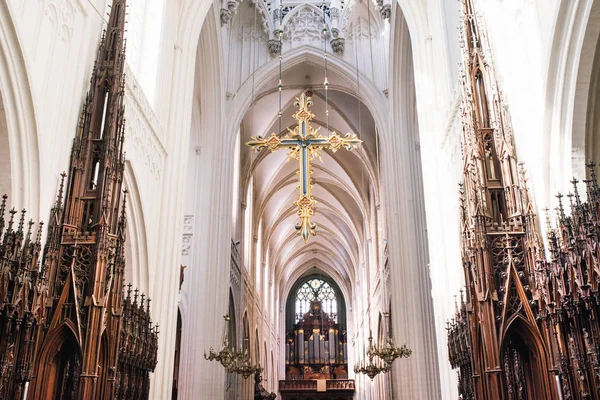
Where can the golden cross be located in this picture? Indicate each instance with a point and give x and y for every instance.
(305, 144)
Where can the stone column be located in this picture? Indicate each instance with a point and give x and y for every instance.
(412, 305)
(431, 63)
(207, 284)
(207, 278)
(416, 377)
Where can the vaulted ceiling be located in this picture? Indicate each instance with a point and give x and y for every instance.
(345, 183)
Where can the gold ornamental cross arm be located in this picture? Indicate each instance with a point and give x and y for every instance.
(304, 144)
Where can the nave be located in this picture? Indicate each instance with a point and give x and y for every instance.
(347, 199)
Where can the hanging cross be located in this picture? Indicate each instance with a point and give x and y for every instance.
(305, 144)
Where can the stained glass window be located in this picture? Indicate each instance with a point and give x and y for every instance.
(316, 289)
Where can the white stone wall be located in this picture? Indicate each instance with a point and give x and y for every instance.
(51, 35)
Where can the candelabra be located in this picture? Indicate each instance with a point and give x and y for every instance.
(380, 359)
(390, 352)
(225, 356)
(374, 366)
(243, 365)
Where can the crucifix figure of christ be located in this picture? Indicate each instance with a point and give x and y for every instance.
(304, 144)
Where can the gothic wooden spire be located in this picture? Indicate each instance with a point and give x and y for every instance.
(84, 259)
(82, 264)
(500, 243)
(65, 329)
(97, 161)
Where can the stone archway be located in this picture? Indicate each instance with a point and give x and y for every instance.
(592, 111)
(569, 87)
(18, 126)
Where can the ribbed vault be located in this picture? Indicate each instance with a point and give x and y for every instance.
(345, 183)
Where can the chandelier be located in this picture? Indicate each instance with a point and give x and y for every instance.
(225, 356)
(380, 359)
(242, 365)
(390, 352)
(375, 365)
(234, 362)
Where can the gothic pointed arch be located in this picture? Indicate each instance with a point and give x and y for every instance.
(316, 337)
(592, 109)
(246, 332)
(525, 362)
(232, 324)
(300, 14)
(480, 95)
(136, 245)
(59, 365)
(242, 98)
(571, 90)
(20, 129)
(294, 308)
(257, 359)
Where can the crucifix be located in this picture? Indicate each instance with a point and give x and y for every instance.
(304, 144)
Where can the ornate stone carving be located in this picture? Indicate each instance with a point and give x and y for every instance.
(285, 10)
(250, 33)
(276, 14)
(304, 26)
(358, 28)
(334, 12)
(386, 11)
(143, 130)
(62, 14)
(226, 15)
(337, 45)
(274, 47)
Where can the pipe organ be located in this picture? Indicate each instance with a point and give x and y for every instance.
(316, 347)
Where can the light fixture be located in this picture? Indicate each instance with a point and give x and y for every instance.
(375, 365)
(225, 356)
(242, 364)
(379, 360)
(390, 352)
